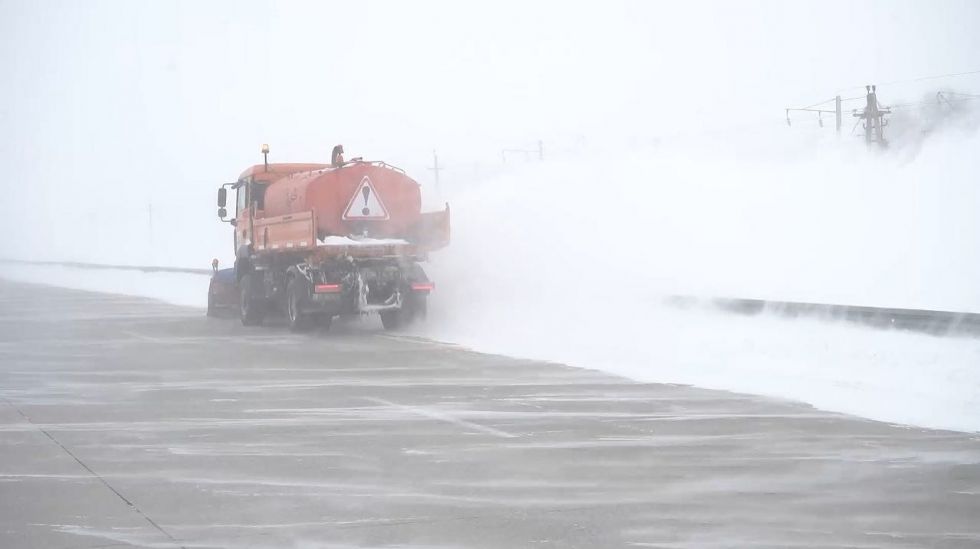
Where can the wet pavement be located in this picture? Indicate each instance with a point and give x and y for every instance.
(129, 422)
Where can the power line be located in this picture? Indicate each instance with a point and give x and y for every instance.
(919, 79)
(815, 104)
(951, 75)
(874, 113)
(963, 94)
(966, 97)
(893, 82)
(961, 97)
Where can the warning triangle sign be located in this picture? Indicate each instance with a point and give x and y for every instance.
(366, 204)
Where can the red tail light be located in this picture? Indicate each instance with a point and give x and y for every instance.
(326, 289)
(423, 286)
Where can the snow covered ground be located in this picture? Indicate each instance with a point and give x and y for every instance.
(893, 376)
(178, 288)
(569, 261)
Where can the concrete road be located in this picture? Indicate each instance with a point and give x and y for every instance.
(127, 422)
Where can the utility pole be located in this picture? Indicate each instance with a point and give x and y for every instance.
(874, 118)
(149, 222)
(837, 113)
(526, 152)
(435, 169)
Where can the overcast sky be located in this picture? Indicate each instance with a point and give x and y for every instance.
(107, 105)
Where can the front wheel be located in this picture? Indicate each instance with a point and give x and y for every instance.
(252, 305)
(212, 308)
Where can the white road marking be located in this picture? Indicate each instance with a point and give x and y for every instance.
(418, 341)
(434, 414)
(143, 337)
(244, 338)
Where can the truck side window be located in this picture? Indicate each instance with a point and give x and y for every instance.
(242, 199)
(258, 194)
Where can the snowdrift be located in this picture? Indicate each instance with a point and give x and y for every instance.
(570, 262)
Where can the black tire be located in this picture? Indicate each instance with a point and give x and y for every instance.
(296, 292)
(391, 319)
(420, 310)
(324, 321)
(252, 304)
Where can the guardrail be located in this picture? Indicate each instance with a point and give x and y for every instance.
(82, 265)
(917, 320)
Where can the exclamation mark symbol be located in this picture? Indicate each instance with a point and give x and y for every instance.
(366, 191)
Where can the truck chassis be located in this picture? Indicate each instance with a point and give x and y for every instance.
(311, 290)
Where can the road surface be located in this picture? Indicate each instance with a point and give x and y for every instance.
(128, 422)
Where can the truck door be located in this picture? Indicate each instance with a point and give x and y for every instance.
(243, 217)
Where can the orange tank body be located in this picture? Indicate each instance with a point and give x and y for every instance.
(360, 198)
(329, 193)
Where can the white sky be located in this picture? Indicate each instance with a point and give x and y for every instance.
(110, 105)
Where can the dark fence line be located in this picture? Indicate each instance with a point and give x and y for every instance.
(917, 320)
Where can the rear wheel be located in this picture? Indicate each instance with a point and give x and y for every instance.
(296, 294)
(252, 304)
(324, 321)
(391, 320)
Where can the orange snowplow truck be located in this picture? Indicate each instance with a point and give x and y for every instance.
(314, 241)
